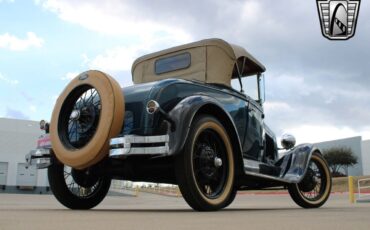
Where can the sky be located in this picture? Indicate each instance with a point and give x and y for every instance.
(316, 89)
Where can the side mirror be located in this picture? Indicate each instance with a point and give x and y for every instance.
(287, 141)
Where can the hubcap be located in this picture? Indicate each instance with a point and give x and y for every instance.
(75, 115)
(208, 162)
(309, 182)
(218, 162)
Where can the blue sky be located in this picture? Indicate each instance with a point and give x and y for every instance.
(316, 89)
(34, 74)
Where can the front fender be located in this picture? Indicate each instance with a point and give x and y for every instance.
(295, 162)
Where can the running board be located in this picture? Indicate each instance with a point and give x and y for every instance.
(291, 168)
(260, 175)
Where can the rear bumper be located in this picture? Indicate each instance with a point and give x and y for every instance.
(39, 157)
(119, 147)
(139, 145)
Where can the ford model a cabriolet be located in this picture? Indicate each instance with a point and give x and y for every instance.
(182, 122)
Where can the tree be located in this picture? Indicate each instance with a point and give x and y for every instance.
(339, 158)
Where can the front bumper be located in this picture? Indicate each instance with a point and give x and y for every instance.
(139, 145)
(39, 157)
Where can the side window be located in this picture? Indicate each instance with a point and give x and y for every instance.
(172, 63)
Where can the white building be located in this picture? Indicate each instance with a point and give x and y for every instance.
(366, 157)
(361, 149)
(17, 138)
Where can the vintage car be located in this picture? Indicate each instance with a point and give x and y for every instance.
(185, 121)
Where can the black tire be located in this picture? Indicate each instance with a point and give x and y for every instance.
(205, 170)
(73, 195)
(314, 190)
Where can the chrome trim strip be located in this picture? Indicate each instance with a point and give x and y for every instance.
(121, 146)
(266, 176)
(38, 157)
(139, 139)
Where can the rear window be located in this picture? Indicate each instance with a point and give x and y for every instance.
(176, 62)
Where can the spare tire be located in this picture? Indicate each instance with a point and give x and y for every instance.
(86, 115)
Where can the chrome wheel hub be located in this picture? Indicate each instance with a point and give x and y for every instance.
(218, 162)
(75, 115)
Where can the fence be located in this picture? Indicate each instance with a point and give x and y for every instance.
(363, 186)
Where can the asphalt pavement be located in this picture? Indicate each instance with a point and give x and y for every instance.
(150, 211)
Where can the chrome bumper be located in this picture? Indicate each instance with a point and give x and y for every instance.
(138, 145)
(39, 157)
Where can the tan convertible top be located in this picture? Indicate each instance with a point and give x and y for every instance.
(211, 61)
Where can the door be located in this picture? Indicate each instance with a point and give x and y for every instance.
(26, 176)
(253, 143)
(3, 173)
(253, 88)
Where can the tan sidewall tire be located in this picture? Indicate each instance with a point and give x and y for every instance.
(184, 168)
(300, 199)
(229, 181)
(110, 123)
(328, 184)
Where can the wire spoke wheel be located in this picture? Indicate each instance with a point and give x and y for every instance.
(87, 114)
(77, 189)
(205, 170)
(80, 118)
(315, 187)
(210, 163)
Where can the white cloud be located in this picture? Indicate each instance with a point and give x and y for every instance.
(69, 76)
(32, 108)
(8, 81)
(251, 10)
(11, 42)
(15, 113)
(116, 59)
(111, 18)
(141, 33)
(276, 105)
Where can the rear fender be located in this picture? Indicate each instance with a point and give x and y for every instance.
(183, 115)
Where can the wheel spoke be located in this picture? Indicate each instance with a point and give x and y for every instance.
(77, 189)
(318, 178)
(82, 127)
(210, 178)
